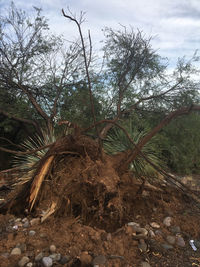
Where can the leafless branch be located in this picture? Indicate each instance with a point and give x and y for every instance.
(86, 65)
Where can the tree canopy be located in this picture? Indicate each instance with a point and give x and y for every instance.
(44, 79)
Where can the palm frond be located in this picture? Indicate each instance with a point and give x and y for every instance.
(28, 163)
(117, 142)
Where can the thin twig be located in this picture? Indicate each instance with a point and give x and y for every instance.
(86, 67)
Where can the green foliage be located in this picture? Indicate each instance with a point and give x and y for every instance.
(35, 62)
(76, 107)
(117, 141)
(28, 162)
(181, 144)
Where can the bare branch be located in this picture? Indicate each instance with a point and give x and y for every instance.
(86, 68)
(174, 87)
(90, 49)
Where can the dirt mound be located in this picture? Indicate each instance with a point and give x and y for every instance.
(85, 207)
(76, 182)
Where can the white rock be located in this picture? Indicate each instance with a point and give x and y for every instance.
(145, 264)
(47, 261)
(30, 264)
(26, 224)
(52, 248)
(32, 233)
(155, 225)
(24, 220)
(55, 256)
(167, 221)
(16, 251)
(143, 231)
(180, 241)
(35, 221)
(23, 261)
(134, 224)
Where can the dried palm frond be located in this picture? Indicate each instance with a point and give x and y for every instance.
(38, 179)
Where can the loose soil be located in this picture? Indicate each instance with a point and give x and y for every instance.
(94, 205)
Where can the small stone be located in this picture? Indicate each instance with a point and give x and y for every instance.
(167, 246)
(52, 248)
(158, 232)
(142, 231)
(47, 262)
(32, 233)
(43, 235)
(22, 246)
(167, 221)
(85, 258)
(64, 260)
(134, 225)
(39, 256)
(55, 256)
(171, 239)
(155, 225)
(24, 220)
(26, 224)
(30, 264)
(16, 251)
(142, 245)
(101, 259)
(151, 233)
(145, 264)
(197, 243)
(35, 221)
(180, 241)
(18, 220)
(175, 229)
(23, 261)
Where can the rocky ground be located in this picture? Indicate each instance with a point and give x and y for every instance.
(158, 232)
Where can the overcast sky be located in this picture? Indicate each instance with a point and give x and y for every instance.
(174, 24)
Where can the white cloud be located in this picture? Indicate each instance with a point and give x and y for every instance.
(174, 23)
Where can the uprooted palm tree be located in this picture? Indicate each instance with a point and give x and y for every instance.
(71, 173)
